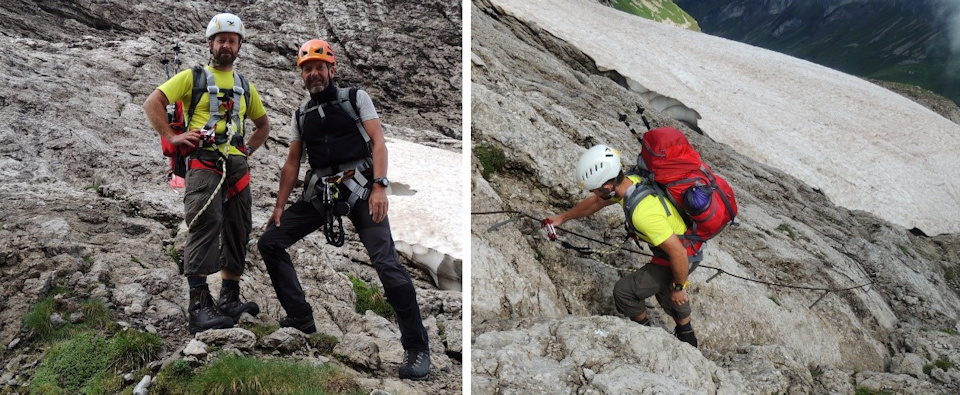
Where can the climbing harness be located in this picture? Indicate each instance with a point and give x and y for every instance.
(322, 189)
(614, 248)
(333, 209)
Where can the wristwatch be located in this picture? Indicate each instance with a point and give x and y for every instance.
(383, 181)
(679, 287)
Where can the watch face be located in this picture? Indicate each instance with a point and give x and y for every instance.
(383, 181)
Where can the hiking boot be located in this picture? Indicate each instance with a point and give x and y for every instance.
(416, 365)
(305, 324)
(686, 336)
(231, 306)
(203, 313)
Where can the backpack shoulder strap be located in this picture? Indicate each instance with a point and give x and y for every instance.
(245, 84)
(635, 194)
(199, 88)
(350, 96)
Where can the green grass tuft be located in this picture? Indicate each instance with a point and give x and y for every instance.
(492, 159)
(96, 314)
(775, 299)
(784, 227)
(90, 363)
(260, 330)
(132, 349)
(235, 375)
(37, 320)
(323, 342)
(369, 297)
(177, 259)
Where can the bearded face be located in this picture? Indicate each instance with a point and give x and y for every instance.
(224, 48)
(316, 75)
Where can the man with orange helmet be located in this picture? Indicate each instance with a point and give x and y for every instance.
(338, 132)
(217, 200)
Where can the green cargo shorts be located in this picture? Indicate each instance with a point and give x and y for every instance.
(650, 280)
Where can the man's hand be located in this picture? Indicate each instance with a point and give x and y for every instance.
(378, 203)
(679, 297)
(556, 220)
(191, 139)
(275, 217)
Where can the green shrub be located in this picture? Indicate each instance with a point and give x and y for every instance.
(243, 375)
(492, 159)
(371, 298)
(71, 366)
(181, 368)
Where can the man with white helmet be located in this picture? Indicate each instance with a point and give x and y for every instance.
(599, 171)
(217, 199)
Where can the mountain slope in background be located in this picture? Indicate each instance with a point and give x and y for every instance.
(905, 41)
(665, 11)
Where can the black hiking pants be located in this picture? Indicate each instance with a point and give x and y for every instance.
(301, 219)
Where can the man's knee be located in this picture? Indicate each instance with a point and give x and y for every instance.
(626, 300)
(269, 243)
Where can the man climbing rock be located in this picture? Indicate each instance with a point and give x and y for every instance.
(338, 132)
(217, 198)
(656, 222)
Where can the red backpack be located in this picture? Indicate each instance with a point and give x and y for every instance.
(705, 199)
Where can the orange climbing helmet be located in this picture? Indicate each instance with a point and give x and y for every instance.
(315, 49)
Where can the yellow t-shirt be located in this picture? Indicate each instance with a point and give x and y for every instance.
(651, 220)
(180, 87)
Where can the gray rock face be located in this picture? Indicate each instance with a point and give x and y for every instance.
(82, 181)
(540, 100)
(600, 354)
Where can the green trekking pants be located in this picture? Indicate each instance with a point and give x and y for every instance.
(218, 239)
(650, 280)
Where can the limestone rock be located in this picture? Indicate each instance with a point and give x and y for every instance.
(359, 350)
(195, 348)
(285, 340)
(235, 337)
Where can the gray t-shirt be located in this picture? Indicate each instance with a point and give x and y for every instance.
(364, 103)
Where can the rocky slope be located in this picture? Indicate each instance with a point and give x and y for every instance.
(82, 182)
(541, 314)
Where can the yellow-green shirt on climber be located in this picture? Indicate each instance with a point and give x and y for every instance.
(217, 202)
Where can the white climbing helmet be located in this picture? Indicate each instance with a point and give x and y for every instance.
(597, 166)
(225, 23)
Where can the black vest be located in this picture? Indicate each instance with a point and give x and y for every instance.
(332, 139)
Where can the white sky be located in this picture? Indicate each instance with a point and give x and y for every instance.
(866, 148)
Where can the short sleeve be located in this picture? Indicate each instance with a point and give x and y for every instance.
(365, 105)
(178, 87)
(294, 130)
(256, 109)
